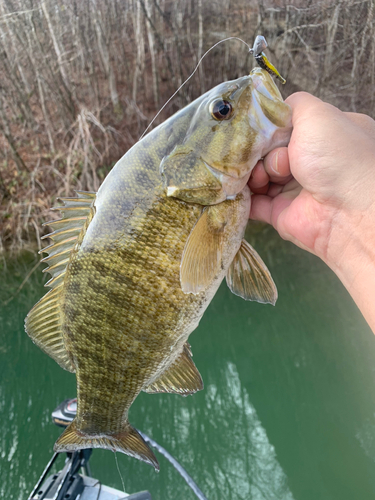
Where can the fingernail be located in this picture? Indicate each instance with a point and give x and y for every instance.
(275, 163)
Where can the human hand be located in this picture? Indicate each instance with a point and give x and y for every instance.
(319, 192)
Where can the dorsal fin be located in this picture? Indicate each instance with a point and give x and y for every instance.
(75, 213)
(43, 323)
(182, 377)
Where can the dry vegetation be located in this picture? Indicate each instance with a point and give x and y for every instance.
(81, 79)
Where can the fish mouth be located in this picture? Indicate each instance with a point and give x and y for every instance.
(260, 88)
(265, 85)
(269, 115)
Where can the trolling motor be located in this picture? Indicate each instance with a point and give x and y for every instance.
(75, 482)
(65, 413)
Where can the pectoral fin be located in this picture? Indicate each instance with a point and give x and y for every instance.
(182, 377)
(202, 257)
(249, 277)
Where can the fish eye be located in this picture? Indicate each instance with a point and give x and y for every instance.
(220, 109)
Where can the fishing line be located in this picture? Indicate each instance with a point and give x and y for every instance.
(118, 468)
(183, 473)
(192, 74)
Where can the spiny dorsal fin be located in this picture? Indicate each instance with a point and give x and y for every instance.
(249, 278)
(43, 323)
(182, 377)
(76, 212)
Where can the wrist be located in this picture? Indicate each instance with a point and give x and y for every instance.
(351, 242)
(351, 255)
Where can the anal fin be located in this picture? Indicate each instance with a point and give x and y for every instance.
(249, 278)
(127, 441)
(182, 377)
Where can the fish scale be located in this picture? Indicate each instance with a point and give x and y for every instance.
(111, 300)
(134, 267)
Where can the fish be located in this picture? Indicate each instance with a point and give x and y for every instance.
(135, 265)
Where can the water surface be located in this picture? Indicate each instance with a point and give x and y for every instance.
(288, 409)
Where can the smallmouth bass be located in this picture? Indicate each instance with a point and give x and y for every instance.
(135, 266)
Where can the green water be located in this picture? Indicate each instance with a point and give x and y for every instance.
(288, 409)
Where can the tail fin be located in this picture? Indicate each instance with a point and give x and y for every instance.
(127, 441)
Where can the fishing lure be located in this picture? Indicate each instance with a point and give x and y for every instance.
(259, 45)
